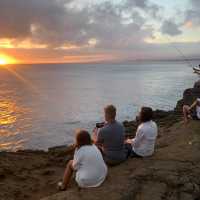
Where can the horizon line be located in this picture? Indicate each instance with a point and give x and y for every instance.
(108, 62)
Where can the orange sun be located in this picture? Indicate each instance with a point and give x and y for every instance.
(4, 60)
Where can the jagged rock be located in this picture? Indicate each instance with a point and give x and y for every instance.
(184, 180)
(61, 151)
(2, 174)
(60, 155)
(152, 190)
(172, 196)
(188, 187)
(48, 172)
(186, 196)
(159, 114)
(31, 151)
(132, 191)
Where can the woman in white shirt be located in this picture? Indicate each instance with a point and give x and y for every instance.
(144, 142)
(88, 164)
(189, 111)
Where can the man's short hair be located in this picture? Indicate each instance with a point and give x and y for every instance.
(111, 111)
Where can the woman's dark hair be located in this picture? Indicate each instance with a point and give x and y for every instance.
(82, 138)
(146, 114)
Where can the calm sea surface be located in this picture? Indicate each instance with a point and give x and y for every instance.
(41, 105)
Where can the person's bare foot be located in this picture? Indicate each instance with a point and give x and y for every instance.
(61, 186)
(185, 122)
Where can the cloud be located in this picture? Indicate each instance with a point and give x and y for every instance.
(16, 17)
(171, 28)
(62, 28)
(54, 23)
(44, 21)
(145, 5)
(193, 13)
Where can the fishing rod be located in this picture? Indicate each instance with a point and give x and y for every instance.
(180, 52)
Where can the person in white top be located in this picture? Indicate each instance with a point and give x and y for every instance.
(88, 164)
(144, 142)
(192, 112)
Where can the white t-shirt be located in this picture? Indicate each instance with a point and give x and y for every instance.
(144, 141)
(90, 167)
(198, 111)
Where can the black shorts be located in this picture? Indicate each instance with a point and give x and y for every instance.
(194, 116)
(130, 152)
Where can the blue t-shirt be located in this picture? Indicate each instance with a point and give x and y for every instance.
(111, 138)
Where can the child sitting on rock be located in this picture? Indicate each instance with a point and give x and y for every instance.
(88, 164)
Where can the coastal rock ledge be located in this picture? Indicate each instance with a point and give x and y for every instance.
(172, 173)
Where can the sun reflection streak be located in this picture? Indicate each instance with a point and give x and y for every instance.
(24, 80)
(11, 116)
(6, 113)
(12, 146)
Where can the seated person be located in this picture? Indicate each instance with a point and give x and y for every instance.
(88, 164)
(144, 142)
(192, 111)
(110, 138)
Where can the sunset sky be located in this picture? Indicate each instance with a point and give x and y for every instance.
(53, 31)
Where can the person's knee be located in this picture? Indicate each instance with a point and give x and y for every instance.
(70, 164)
(185, 108)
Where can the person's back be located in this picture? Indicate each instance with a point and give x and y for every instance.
(88, 164)
(144, 142)
(90, 167)
(111, 137)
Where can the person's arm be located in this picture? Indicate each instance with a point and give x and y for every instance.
(100, 139)
(138, 138)
(193, 105)
(94, 134)
(77, 160)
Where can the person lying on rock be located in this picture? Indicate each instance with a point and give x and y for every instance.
(192, 112)
(109, 137)
(87, 163)
(144, 142)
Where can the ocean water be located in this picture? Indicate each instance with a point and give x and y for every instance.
(41, 105)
